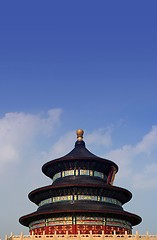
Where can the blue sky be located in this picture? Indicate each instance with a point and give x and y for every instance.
(66, 65)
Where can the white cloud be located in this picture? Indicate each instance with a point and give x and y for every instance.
(101, 137)
(137, 162)
(123, 158)
(148, 142)
(62, 146)
(18, 129)
(147, 179)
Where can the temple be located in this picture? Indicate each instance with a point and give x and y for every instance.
(82, 198)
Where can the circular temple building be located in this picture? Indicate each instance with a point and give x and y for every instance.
(81, 198)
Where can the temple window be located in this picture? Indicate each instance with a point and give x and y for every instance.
(77, 172)
(80, 197)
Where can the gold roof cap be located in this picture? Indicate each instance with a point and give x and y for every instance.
(79, 133)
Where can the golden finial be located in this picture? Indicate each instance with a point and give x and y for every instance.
(79, 133)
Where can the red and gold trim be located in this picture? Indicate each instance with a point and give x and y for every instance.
(83, 229)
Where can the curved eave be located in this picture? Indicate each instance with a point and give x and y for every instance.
(64, 163)
(79, 153)
(121, 194)
(132, 218)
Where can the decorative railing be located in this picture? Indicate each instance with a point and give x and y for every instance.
(79, 236)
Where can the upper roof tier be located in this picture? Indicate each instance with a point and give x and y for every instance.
(79, 158)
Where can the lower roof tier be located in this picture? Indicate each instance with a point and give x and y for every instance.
(123, 215)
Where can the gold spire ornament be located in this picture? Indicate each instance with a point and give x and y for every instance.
(79, 133)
